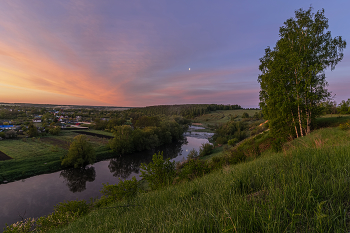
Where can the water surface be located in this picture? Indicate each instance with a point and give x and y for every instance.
(36, 196)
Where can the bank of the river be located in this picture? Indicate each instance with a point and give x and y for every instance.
(35, 156)
(36, 196)
(302, 189)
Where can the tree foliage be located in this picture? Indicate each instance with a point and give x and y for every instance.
(292, 76)
(81, 152)
(32, 130)
(159, 172)
(143, 136)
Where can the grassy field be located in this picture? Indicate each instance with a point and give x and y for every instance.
(222, 116)
(331, 120)
(34, 156)
(305, 188)
(102, 132)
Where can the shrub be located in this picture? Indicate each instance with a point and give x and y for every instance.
(55, 130)
(217, 162)
(232, 142)
(193, 154)
(10, 134)
(194, 168)
(124, 190)
(221, 140)
(159, 172)
(205, 149)
(64, 213)
(80, 153)
(236, 156)
(245, 115)
(345, 126)
(25, 225)
(2, 135)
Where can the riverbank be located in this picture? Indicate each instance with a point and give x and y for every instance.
(41, 155)
(302, 189)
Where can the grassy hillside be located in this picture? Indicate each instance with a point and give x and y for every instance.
(222, 116)
(305, 188)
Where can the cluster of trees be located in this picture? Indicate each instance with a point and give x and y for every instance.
(148, 133)
(231, 130)
(331, 107)
(292, 79)
(109, 124)
(187, 110)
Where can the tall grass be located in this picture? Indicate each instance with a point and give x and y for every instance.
(303, 189)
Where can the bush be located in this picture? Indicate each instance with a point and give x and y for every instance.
(2, 135)
(80, 153)
(345, 126)
(194, 168)
(236, 156)
(232, 142)
(217, 162)
(245, 115)
(159, 172)
(11, 134)
(221, 140)
(55, 130)
(205, 149)
(64, 213)
(193, 154)
(124, 190)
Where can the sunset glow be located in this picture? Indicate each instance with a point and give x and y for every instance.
(138, 53)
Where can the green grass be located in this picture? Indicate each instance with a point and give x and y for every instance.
(218, 151)
(102, 132)
(331, 120)
(222, 116)
(303, 189)
(28, 147)
(34, 156)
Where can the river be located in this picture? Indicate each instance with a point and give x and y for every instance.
(36, 196)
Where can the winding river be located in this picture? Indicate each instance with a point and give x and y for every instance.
(36, 196)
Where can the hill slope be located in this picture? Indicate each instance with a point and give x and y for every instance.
(303, 189)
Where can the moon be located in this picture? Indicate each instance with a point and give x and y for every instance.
(189, 68)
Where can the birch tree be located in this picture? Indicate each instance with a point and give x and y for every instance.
(292, 79)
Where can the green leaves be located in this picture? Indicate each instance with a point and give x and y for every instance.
(159, 172)
(80, 152)
(292, 78)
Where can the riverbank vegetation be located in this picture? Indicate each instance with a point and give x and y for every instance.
(43, 153)
(302, 188)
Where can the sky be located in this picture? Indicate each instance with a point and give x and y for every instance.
(148, 52)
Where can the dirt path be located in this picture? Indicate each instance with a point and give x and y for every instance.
(3, 156)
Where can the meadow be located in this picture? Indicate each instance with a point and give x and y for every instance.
(302, 189)
(222, 116)
(33, 156)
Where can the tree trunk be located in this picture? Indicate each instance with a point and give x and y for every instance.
(301, 128)
(295, 126)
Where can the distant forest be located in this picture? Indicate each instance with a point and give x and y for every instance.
(185, 110)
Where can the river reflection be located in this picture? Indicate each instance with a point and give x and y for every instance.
(124, 165)
(36, 196)
(76, 178)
